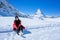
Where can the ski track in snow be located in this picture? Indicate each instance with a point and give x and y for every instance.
(43, 30)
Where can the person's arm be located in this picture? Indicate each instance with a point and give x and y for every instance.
(14, 26)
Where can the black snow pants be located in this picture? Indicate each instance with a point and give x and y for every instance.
(20, 29)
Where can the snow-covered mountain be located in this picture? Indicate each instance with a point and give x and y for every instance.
(38, 13)
(6, 9)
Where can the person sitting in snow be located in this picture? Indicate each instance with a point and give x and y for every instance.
(17, 25)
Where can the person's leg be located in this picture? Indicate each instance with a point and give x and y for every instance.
(21, 28)
(18, 30)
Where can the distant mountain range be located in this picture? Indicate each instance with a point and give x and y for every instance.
(6, 9)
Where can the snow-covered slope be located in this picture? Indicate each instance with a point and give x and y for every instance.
(6, 9)
(47, 29)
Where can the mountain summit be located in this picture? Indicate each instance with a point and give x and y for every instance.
(38, 13)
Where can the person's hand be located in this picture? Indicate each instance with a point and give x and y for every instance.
(19, 25)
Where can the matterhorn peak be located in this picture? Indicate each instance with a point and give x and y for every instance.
(38, 13)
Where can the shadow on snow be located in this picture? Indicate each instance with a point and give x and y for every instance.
(6, 31)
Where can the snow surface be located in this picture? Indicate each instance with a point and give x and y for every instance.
(47, 29)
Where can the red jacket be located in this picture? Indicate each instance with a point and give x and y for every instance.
(17, 25)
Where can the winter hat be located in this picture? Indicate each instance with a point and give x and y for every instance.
(16, 16)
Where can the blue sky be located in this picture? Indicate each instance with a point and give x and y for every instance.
(48, 7)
